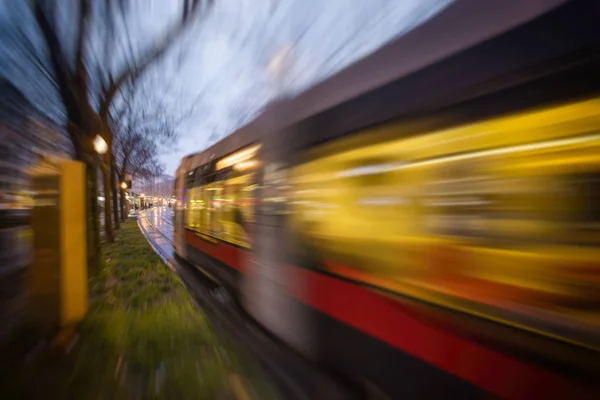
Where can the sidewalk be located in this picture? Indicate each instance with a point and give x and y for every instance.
(144, 337)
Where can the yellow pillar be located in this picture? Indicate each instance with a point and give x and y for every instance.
(74, 287)
(58, 278)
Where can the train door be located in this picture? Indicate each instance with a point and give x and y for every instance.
(270, 288)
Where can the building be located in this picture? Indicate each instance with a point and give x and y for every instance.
(25, 134)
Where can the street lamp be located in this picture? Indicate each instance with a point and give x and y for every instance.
(100, 145)
(123, 185)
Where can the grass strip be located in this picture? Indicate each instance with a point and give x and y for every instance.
(145, 338)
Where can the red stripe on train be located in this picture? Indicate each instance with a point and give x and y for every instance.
(385, 320)
(377, 316)
(228, 254)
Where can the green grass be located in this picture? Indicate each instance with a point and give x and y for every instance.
(145, 338)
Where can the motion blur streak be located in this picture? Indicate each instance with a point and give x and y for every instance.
(382, 199)
(455, 212)
(435, 235)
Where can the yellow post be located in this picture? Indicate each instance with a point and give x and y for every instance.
(58, 278)
(74, 288)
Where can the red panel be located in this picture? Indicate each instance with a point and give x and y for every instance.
(228, 254)
(388, 321)
(486, 368)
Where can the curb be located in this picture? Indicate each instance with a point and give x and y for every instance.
(157, 250)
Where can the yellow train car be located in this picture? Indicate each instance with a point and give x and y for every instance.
(491, 217)
(433, 234)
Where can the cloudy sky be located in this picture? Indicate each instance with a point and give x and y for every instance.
(232, 62)
(230, 58)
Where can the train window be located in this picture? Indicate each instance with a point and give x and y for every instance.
(227, 210)
(211, 222)
(205, 211)
(193, 199)
(274, 190)
(581, 195)
(221, 203)
(246, 202)
(235, 201)
(457, 202)
(195, 208)
(584, 194)
(237, 204)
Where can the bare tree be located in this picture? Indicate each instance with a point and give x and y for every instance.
(144, 126)
(89, 76)
(138, 158)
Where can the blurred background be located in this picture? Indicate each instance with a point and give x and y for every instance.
(399, 198)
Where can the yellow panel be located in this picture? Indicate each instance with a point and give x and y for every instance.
(74, 285)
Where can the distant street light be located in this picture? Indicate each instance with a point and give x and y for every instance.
(100, 145)
(123, 185)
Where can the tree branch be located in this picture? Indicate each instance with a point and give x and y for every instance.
(80, 70)
(57, 57)
(130, 73)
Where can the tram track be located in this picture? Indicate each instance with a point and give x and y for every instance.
(157, 229)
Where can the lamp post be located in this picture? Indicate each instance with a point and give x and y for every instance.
(123, 200)
(100, 145)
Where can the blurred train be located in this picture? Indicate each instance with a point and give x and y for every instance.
(427, 221)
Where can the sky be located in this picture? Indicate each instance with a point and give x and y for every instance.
(227, 65)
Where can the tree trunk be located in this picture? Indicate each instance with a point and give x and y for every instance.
(108, 226)
(93, 223)
(122, 198)
(85, 153)
(115, 194)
